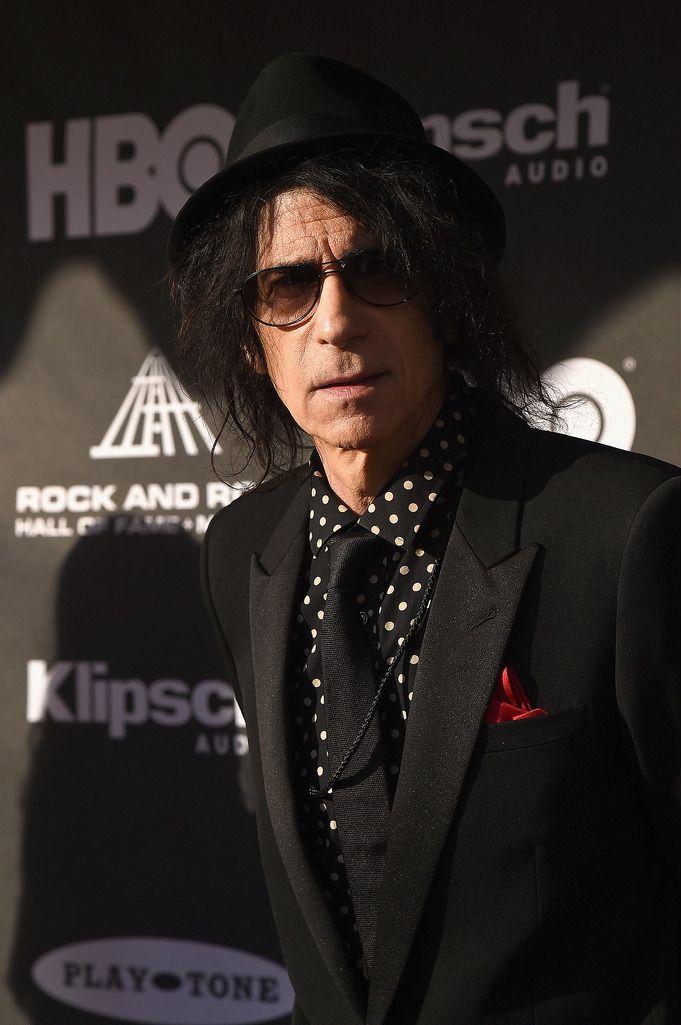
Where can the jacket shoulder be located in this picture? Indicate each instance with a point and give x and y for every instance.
(584, 496)
(246, 524)
(603, 470)
(234, 534)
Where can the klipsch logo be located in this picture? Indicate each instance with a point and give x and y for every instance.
(572, 131)
(84, 692)
(177, 982)
(155, 418)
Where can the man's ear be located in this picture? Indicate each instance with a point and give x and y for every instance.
(255, 361)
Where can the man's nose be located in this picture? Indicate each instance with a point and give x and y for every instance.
(339, 317)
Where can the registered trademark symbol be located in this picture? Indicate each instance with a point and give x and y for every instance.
(629, 364)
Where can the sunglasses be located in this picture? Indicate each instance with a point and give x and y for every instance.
(284, 295)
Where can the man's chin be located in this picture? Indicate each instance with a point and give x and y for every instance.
(364, 440)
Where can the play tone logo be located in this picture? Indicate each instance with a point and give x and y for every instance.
(155, 417)
(154, 979)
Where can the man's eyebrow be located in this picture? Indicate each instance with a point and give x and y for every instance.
(291, 263)
(368, 248)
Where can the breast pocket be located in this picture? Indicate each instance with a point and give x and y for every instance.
(525, 733)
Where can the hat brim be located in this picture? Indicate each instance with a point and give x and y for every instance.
(476, 199)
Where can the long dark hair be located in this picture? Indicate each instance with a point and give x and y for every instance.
(410, 209)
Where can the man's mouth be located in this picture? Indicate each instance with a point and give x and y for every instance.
(350, 381)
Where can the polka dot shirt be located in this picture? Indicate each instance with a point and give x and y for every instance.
(414, 515)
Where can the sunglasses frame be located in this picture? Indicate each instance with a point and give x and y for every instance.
(340, 268)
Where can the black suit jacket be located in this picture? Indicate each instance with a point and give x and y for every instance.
(530, 868)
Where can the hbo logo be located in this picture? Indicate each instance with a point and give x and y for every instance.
(112, 173)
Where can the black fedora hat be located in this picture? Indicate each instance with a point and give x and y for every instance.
(303, 104)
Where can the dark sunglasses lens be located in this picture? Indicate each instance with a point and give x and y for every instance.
(282, 295)
(372, 276)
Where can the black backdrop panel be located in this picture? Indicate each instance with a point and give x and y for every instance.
(131, 888)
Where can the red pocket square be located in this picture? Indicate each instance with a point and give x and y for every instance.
(509, 700)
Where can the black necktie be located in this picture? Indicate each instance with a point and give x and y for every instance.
(360, 795)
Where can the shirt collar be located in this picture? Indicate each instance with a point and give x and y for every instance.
(397, 514)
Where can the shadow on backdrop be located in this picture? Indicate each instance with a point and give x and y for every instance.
(133, 835)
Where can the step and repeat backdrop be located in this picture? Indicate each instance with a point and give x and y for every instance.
(130, 887)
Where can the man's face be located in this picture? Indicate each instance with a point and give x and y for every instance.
(353, 376)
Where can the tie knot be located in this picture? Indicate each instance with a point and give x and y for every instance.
(348, 555)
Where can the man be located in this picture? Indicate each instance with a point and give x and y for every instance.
(452, 635)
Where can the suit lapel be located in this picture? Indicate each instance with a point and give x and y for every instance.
(274, 579)
(469, 623)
